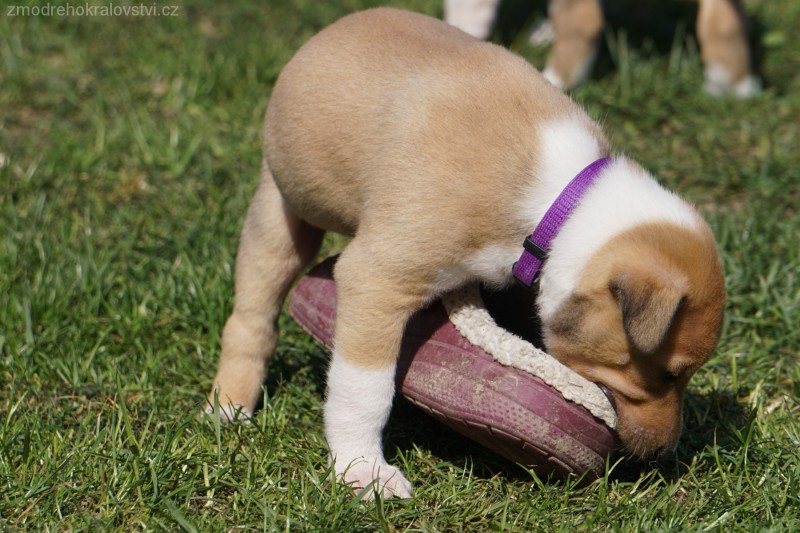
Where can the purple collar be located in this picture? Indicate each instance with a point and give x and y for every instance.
(536, 247)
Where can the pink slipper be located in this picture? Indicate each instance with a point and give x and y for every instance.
(507, 409)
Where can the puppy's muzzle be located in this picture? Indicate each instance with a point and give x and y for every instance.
(662, 455)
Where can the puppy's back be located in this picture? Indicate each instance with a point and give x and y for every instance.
(392, 99)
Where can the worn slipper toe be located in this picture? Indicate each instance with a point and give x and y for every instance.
(458, 365)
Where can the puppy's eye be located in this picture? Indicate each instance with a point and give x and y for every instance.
(671, 377)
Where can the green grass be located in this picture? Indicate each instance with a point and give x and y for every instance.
(128, 152)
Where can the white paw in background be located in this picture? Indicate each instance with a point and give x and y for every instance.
(474, 17)
(551, 76)
(542, 33)
(718, 83)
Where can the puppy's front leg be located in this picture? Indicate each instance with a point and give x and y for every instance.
(374, 303)
(357, 407)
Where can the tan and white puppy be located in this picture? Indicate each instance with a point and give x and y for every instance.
(440, 154)
(576, 27)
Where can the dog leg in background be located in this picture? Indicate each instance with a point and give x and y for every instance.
(275, 245)
(724, 49)
(374, 303)
(576, 26)
(474, 17)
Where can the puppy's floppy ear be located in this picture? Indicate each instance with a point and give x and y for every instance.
(649, 300)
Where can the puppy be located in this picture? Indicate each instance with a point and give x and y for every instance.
(439, 154)
(577, 25)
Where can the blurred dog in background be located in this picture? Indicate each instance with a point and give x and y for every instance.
(575, 26)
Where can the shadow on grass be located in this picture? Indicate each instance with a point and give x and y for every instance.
(409, 427)
(711, 420)
(726, 420)
(311, 367)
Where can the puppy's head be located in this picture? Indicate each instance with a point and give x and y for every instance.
(645, 316)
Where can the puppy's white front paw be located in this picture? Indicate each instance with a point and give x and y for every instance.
(375, 475)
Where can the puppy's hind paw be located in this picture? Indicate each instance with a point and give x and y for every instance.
(368, 477)
(227, 412)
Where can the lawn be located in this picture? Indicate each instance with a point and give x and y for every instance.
(129, 149)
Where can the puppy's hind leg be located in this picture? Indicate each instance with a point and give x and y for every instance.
(275, 245)
(375, 299)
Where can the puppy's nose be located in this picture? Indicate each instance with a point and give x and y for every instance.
(664, 455)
